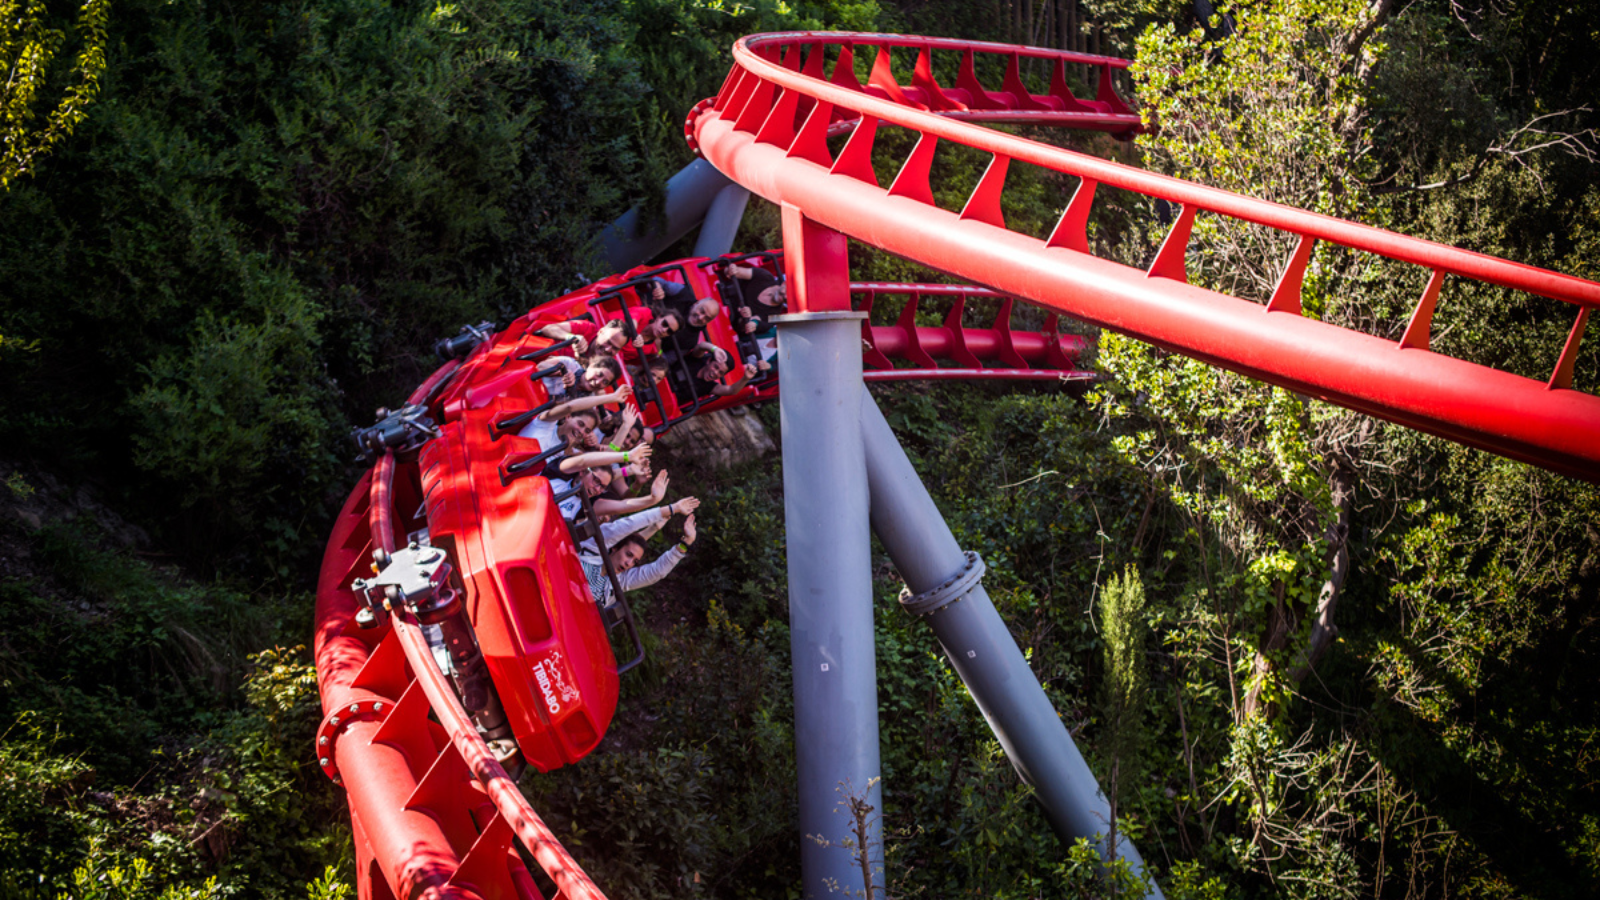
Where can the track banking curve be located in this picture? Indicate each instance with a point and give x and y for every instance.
(434, 814)
(767, 131)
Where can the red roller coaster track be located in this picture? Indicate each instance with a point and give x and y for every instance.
(767, 131)
(433, 812)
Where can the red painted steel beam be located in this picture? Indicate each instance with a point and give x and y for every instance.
(384, 757)
(570, 879)
(905, 340)
(968, 100)
(1421, 252)
(1555, 427)
(1072, 375)
(816, 262)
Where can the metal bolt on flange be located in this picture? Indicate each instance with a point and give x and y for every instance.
(952, 590)
(328, 732)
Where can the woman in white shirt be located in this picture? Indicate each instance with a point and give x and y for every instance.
(625, 539)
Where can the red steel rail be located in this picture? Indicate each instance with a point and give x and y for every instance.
(968, 100)
(767, 130)
(434, 815)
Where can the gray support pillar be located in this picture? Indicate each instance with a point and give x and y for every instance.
(950, 597)
(830, 596)
(689, 195)
(722, 222)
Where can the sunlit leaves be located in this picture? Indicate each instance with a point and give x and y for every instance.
(29, 45)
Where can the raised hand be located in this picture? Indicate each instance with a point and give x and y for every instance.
(685, 507)
(622, 393)
(629, 419)
(688, 530)
(658, 490)
(750, 370)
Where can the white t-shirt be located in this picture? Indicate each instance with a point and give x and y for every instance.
(543, 432)
(552, 383)
(571, 506)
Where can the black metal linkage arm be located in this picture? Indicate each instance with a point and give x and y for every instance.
(541, 353)
(627, 619)
(509, 424)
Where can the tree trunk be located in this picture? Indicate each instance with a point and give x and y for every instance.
(1285, 619)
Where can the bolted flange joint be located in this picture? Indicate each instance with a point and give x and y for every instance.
(364, 709)
(953, 589)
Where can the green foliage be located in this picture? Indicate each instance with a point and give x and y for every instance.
(328, 887)
(137, 766)
(28, 49)
(269, 217)
(130, 650)
(271, 209)
(1339, 108)
(1127, 683)
(1278, 105)
(710, 813)
(35, 835)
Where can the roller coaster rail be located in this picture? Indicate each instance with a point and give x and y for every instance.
(379, 685)
(434, 812)
(767, 129)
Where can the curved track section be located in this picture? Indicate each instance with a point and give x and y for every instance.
(968, 100)
(768, 130)
(433, 811)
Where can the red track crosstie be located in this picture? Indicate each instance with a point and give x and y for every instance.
(434, 814)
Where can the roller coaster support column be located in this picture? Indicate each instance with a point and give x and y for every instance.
(722, 222)
(830, 567)
(949, 595)
(690, 196)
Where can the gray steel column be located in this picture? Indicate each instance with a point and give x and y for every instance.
(950, 597)
(689, 195)
(722, 222)
(830, 595)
